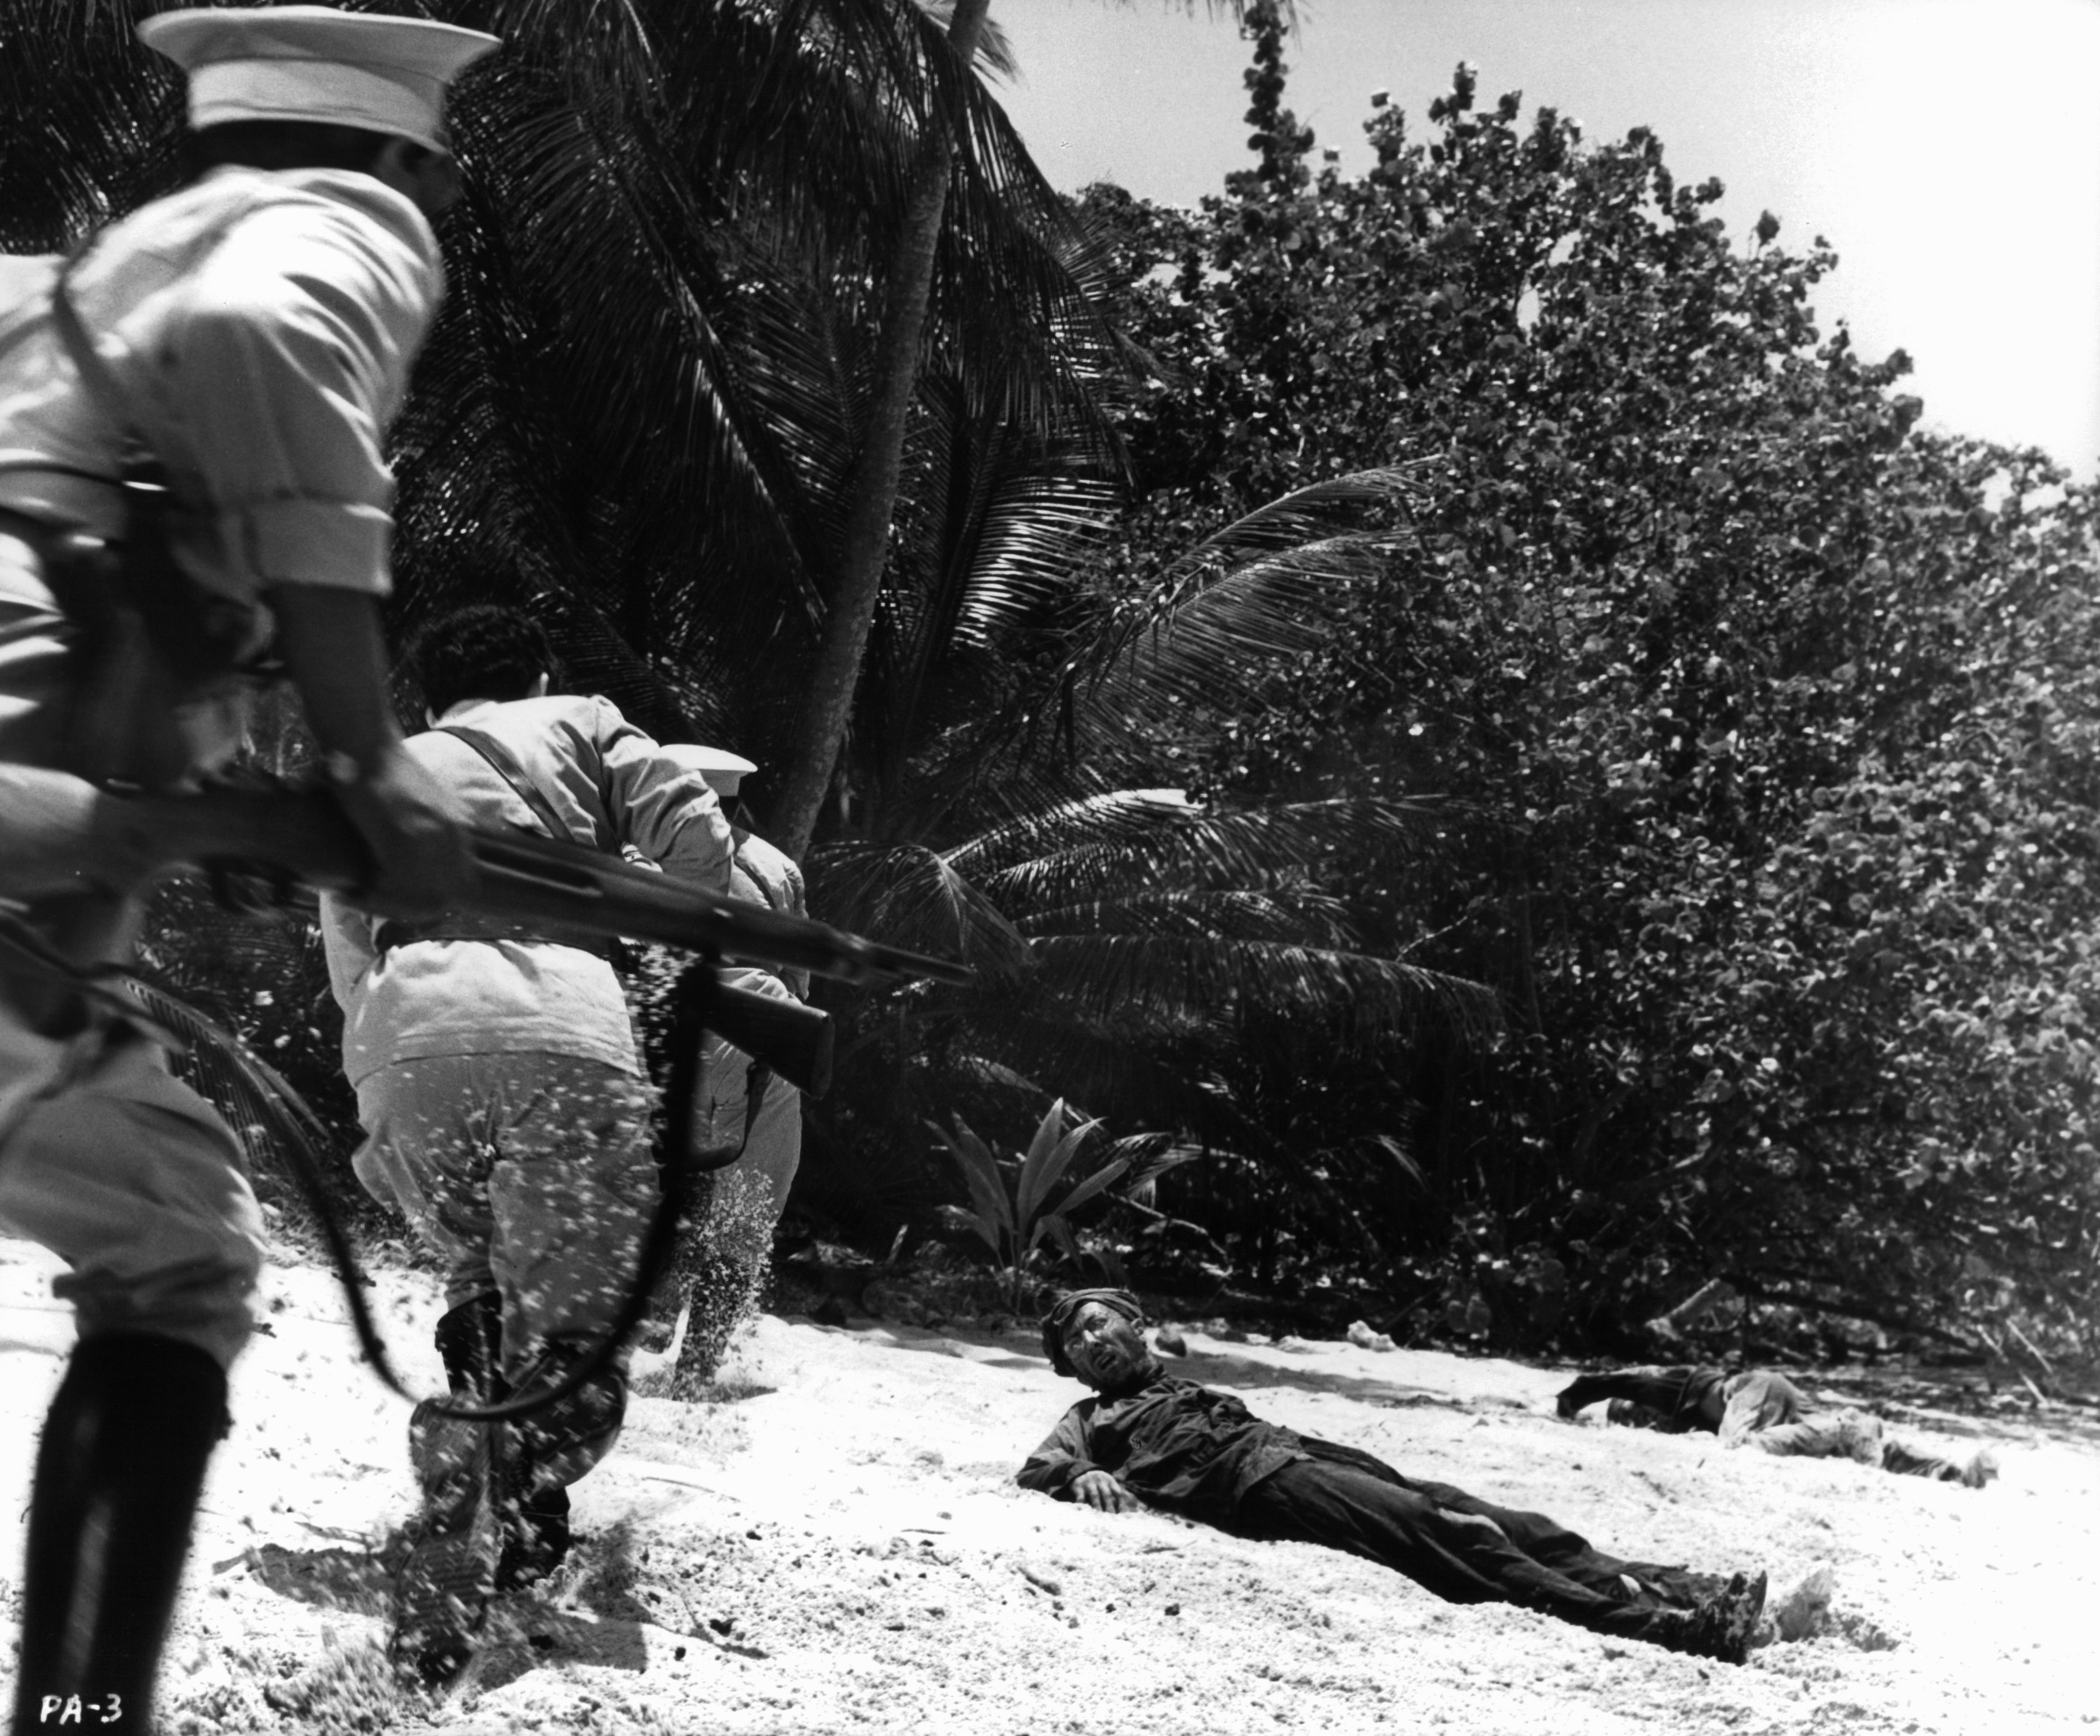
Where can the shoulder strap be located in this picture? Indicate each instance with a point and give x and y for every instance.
(505, 765)
(102, 385)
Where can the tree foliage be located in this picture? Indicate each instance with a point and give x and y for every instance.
(642, 408)
(1553, 780)
(1772, 715)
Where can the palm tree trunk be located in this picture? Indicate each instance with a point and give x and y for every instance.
(872, 494)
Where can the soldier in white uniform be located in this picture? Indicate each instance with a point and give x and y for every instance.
(741, 1106)
(506, 1112)
(252, 332)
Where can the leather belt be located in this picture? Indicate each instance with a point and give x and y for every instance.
(396, 932)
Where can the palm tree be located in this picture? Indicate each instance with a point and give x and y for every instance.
(878, 465)
(647, 399)
(651, 396)
(655, 403)
(1133, 945)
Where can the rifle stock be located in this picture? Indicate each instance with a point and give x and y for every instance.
(794, 1040)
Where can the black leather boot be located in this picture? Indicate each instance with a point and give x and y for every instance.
(442, 1587)
(536, 1535)
(119, 1470)
(555, 1445)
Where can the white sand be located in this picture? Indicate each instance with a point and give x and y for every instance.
(842, 1547)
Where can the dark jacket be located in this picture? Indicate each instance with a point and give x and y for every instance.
(1179, 1446)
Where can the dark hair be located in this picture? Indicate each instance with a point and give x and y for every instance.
(484, 652)
(285, 144)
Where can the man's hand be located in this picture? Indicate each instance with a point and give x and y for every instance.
(332, 646)
(1103, 1493)
(415, 834)
(414, 831)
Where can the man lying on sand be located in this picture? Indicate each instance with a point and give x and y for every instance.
(1762, 1410)
(1149, 1438)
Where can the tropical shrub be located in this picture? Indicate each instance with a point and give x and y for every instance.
(1014, 1215)
(1763, 715)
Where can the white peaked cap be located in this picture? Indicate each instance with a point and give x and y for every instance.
(722, 769)
(314, 63)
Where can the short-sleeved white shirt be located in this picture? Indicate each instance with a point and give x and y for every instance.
(260, 326)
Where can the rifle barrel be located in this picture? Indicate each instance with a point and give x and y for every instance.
(542, 879)
(524, 877)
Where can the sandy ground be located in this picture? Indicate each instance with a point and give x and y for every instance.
(835, 1544)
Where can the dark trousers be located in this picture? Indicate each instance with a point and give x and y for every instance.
(1907, 1461)
(1466, 1550)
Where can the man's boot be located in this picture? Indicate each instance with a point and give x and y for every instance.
(552, 1447)
(536, 1532)
(444, 1584)
(119, 1470)
(531, 1517)
(1722, 1626)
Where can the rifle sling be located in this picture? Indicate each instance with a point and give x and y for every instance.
(455, 927)
(505, 765)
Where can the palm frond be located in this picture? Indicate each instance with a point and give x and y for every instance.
(1265, 588)
(1129, 837)
(92, 121)
(910, 896)
(993, 1216)
(1151, 1156)
(1050, 1154)
(1298, 914)
(993, 522)
(1091, 1186)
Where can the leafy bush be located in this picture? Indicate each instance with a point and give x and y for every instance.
(1013, 1218)
(1765, 719)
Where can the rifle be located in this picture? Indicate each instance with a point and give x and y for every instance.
(63, 835)
(64, 841)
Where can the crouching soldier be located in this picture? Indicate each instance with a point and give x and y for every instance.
(506, 1112)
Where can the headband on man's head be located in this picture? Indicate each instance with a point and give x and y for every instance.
(1061, 1314)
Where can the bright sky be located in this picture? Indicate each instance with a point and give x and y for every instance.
(1948, 149)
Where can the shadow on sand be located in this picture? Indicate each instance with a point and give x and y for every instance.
(1208, 1367)
(354, 1579)
(588, 1614)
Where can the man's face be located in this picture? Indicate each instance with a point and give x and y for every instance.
(1105, 1348)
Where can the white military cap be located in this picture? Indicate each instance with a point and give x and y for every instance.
(723, 770)
(314, 63)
